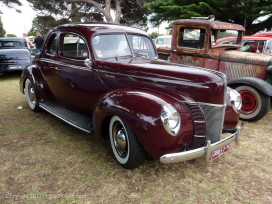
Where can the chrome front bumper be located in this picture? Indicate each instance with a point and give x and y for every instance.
(203, 151)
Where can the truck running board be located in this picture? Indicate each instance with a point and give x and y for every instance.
(77, 120)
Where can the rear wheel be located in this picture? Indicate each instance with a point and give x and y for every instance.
(125, 145)
(255, 104)
(30, 96)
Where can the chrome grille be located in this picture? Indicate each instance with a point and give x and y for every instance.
(199, 120)
(214, 115)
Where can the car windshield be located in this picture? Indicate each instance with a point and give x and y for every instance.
(118, 45)
(12, 44)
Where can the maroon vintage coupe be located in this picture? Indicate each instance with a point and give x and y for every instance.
(106, 79)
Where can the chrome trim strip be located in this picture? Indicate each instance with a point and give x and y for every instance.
(207, 104)
(40, 105)
(65, 64)
(203, 151)
(158, 79)
(199, 136)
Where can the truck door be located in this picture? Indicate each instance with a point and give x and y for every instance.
(190, 46)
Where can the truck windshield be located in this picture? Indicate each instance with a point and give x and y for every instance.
(113, 45)
(225, 37)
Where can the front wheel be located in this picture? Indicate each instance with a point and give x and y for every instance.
(30, 96)
(255, 104)
(125, 145)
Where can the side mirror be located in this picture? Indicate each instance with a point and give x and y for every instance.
(88, 63)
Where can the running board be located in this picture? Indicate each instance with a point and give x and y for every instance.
(77, 120)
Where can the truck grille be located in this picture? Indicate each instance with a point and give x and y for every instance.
(234, 71)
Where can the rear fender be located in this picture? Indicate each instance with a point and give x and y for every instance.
(33, 73)
(257, 83)
(141, 109)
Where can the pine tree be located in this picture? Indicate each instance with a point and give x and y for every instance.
(240, 12)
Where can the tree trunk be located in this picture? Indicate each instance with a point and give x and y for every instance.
(107, 10)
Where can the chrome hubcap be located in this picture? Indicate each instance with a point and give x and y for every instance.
(120, 139)
(31, 94)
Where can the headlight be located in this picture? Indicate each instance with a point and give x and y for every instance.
(170, 119)
(236, 101)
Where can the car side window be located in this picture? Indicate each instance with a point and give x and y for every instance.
(168, 41)
(52, 44)
(160, 41)
(192, 38)
(141, 46)
(74, 46)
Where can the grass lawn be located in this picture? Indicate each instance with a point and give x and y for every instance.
(44, 160)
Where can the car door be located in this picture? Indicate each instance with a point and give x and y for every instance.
(68, 78)
(75, 78)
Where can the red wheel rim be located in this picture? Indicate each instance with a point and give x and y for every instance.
(249, 102)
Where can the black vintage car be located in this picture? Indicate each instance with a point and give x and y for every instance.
(14, 54)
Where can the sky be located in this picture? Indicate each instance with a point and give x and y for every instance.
(17, 23)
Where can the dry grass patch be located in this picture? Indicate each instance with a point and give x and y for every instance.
(44, 160)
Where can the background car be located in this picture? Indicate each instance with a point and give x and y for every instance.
(163, 41)
(256, 44)
(14, 54)
(106, 80)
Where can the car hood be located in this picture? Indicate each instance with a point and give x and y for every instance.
(199, 84)
(14, 54)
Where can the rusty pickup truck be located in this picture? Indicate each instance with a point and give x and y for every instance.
(194, 43)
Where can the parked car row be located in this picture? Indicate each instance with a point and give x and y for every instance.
(255, 44)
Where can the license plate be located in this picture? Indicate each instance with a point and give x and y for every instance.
(220, 152)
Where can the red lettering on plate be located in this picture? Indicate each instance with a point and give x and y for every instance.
(220, 152)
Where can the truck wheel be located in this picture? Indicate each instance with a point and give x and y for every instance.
(30, 96)
(255, 104)
(125, 145)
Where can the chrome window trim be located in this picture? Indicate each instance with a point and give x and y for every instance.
(65, 64)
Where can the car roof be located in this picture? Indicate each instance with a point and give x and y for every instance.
(11, 39)
(263, 34)
(209, 24)
(245, 37)
(92, 27)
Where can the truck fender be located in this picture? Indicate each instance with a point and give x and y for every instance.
(257, 83)
(33, 73)
(141, 110)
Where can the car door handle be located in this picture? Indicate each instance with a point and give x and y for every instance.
(58, 69)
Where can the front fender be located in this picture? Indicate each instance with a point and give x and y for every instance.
(141, 109)
(33, 73)
(257, 83)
